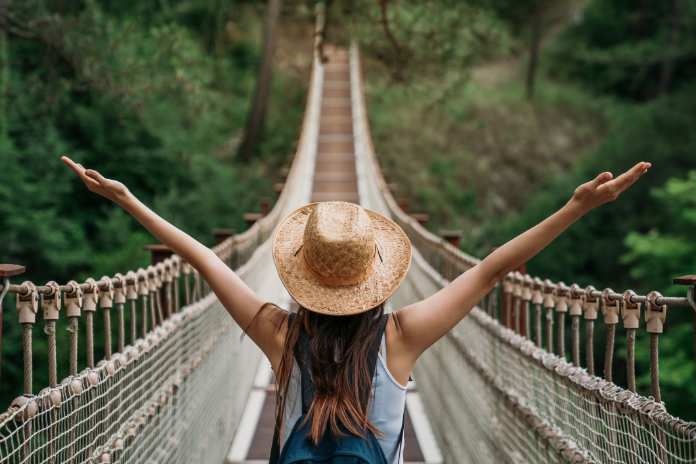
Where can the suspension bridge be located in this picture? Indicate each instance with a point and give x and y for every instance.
(178, 384)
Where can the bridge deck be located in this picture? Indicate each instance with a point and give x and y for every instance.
(334, 179)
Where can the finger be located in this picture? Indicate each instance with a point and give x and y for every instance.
(72, 165)
(95, 175)
(602, 178)
(629, 177)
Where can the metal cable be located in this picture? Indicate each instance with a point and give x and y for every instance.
(74, 329)
(631, 359)
(121, 342)
(133, 320)
(575, 338)
(27, 355)
(589, 346)
(561, 334)
(609, 353)
(50, 331)
(655, 367)
(537, 324)
(549, 330)
(516, 309)
(89, 321)
(107, 332)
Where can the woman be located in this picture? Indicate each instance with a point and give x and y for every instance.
(341, 263)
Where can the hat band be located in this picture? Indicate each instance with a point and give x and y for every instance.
(337, 281)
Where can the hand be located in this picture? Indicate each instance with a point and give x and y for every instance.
(95, 182)
(603, 188)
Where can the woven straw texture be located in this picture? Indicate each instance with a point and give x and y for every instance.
(338, 258)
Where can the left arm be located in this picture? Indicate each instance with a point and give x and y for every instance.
(424, 322)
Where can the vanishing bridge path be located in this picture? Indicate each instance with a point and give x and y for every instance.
(178, 385)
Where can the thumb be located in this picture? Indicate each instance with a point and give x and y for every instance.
(602, 178)
(95, 175)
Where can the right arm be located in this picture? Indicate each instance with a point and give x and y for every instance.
(240, 301)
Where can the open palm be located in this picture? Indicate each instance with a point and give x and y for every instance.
(604, 188)
(95, 182)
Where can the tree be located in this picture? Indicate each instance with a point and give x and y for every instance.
(259, 104)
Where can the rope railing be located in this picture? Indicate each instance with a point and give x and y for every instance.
(172, 383)
(526, 402)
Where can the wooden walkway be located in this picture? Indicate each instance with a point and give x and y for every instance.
(335, 178)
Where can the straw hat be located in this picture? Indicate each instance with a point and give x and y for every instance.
(338, 258)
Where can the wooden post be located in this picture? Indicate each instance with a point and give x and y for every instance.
(453, 236)
(220, 235)
(422, 218)
(251, 218)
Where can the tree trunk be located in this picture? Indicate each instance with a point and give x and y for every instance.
(259, 104)
(534, 46)
(670, 50)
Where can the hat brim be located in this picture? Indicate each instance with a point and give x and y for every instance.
(307, 289)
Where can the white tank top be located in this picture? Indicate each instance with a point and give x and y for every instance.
(385, 410)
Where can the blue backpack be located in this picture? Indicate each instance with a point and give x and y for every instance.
(346, 449)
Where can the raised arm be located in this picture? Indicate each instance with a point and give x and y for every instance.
(239, 300)
(424, 322)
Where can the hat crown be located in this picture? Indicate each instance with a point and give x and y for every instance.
(339, 243)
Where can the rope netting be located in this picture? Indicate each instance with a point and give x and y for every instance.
(494, 395)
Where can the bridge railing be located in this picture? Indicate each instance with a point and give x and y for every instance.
(502, 386)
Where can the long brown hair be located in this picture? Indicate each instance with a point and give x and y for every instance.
(338, 363)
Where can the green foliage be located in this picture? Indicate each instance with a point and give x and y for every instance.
(633, 51)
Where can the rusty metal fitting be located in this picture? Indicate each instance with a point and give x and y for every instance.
(76, 387)
(153, 280)
(106, 293)
(51, 302)
(508, 284)
(92, 378)
(143, 284)
(167, 274)
(655, 315)
(537, 295)
(548, 288)
(630, 311)
(576, 298)
(562, 293)
(72, 298)
(186, 268)
(527, 283)
(131, 285)
(90, 295)
(119, 288)
(517, 284)
(27, 405)
(28, 303)
(610, 307)
(590, 304)
(176, 266)
(108, 366)
(51, 397)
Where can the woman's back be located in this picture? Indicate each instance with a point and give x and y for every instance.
(385, 410)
